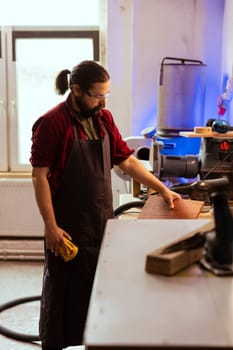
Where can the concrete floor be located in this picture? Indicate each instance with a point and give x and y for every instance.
(19, 279)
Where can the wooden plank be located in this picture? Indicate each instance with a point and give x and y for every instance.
(156, 208)
(212, 134)
(171, 263)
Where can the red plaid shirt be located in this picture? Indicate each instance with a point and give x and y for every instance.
(52, 139)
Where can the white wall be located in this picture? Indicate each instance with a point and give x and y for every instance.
(140, 33)
(227, 52)
(119, 61)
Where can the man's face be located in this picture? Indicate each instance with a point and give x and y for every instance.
(92, 101)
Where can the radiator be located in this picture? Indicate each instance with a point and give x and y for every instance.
(19, 214)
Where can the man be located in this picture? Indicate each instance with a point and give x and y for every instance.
(74, 147)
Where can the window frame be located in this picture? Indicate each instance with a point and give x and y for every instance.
(67, 32)
(8, 100)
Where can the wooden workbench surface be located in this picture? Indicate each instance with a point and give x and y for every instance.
(131, 309)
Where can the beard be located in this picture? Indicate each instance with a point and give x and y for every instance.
(85, 111)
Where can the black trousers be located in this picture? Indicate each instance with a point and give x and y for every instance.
(47, 348)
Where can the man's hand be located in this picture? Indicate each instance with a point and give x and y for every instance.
(170, 197)
(54, 238)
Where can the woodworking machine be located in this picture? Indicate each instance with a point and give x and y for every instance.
(214, 160)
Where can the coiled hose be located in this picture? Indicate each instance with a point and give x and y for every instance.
(16, 335)
(33, 338)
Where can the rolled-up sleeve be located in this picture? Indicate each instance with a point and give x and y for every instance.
(44, 143)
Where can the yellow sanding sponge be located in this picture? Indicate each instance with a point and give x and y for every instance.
(72, 250)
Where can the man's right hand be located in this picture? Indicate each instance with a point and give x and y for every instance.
(54, 238)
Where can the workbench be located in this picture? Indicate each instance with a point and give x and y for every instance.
(132, 309)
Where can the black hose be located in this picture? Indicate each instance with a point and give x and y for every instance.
(16, 335)
(122, 208)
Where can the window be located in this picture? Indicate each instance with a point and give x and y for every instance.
(30, 58)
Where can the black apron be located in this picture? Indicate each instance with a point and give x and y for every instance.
(82, 206)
